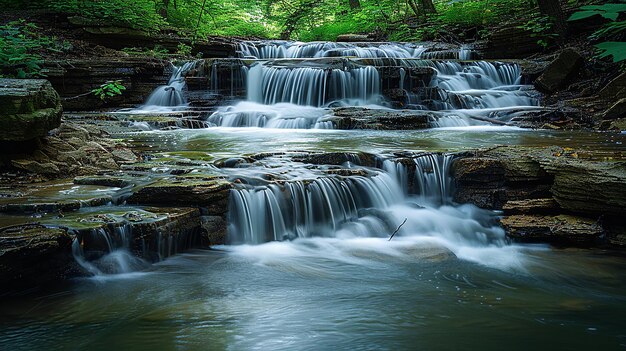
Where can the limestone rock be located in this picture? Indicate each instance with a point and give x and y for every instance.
(589, 187)
(364, 118)
(561, 228)
(30, 108)
(211, 193)
(531, 206)
(216, 229)
(565, 67)
(338, 158)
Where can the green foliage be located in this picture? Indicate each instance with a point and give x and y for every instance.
(608, 11)
(21, 47)
(183, 50)
(541, 28)
(614, 28)
(138, 14)
(617, 49)
(109, 89)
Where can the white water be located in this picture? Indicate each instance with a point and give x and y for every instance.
(169, 97)
(290, 49)
(350, 212)
(116, 260)
(282, 115)
(311, 86)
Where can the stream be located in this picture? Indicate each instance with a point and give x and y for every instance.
(308, 263)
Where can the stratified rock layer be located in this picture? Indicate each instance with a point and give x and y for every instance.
(30, 108)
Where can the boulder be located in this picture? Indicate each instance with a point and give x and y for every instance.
(562, 70)
(589, 187)
(30, 108)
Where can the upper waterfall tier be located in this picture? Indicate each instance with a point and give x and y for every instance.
(290, 49)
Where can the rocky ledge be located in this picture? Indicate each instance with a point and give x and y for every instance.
(30, 108)
(552, 194)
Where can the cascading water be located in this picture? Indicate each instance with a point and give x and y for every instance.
(113, 251)
(289, 49)
(170, 97)
(311, 86)
(370, 204)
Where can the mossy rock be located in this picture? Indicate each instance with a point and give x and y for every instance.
(29, 108)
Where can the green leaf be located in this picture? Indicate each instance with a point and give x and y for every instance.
(582, 14)
(617, 49)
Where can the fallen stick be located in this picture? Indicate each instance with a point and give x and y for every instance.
(394, 233)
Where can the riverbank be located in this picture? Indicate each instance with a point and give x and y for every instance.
(106, 189)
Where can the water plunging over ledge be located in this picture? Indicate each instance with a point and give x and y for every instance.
(309, 264)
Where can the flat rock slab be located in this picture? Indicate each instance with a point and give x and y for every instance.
(30, 108)
(561, 228)
(211, 193)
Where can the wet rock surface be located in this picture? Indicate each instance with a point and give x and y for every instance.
(71, 149)
(33, 256)
(561, 229)
(538, 185)
(364, 118)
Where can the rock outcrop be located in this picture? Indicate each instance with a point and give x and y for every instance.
(33, 256)
(70, 150)
(30, 108)
(75, 78)
(536, 187)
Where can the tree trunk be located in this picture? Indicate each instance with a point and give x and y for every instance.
(428, 6)
(163, 8)
(414, 7)
(554, 10)
(354, 4)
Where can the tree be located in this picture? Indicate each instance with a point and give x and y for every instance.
(554, 10)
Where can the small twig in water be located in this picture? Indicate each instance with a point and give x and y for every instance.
(400, 226)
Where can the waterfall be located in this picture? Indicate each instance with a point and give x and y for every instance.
(311, 86)
(287, 49)
(109, 251)
(327, 205)
(170, 97)
(306, 208)
(281, 115)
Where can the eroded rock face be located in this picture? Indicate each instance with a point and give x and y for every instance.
(535, 187)
(30, 108)
(565, 229)
(73, 149)
(73, 78)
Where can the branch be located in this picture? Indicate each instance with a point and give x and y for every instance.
(400, 226)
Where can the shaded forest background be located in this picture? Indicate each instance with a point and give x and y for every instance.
(309, 20)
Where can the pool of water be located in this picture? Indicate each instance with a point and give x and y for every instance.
(322, 294)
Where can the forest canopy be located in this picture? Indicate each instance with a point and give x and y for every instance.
(297, 19)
